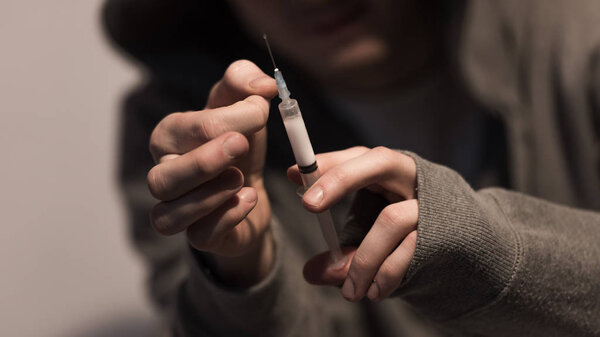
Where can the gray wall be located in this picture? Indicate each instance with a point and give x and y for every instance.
(66, 266)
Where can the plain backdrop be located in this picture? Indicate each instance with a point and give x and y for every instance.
(67, 268)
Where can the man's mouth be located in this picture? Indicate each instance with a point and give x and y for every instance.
(330, 18)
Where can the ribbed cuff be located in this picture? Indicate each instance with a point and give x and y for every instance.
(466, 250)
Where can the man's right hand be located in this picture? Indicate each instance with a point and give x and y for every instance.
(209, 175)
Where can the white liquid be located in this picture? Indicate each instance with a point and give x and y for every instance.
(303, 151)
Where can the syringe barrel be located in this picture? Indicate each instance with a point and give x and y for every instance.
(297, 134)
(289, 108)
(308, 179)
(307, 163)
(325, 220)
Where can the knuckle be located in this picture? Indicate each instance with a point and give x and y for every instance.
(155, 148)
(207, 127)
(157, 183)
(392, 216)
(385, 154)
(158, 135)
(381, 150)
(233, 73)
(360, 263)
(360, 148)
(228, 83)
(237, 65)
(171, 121)
(156, 141)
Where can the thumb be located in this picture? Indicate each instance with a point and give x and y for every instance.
(241, 79)
(320, 270)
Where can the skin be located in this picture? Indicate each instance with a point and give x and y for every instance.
(379, 264)
(208, 176)
(209, 163)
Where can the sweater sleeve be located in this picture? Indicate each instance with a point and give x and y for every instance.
(499, 263)
(280, 305)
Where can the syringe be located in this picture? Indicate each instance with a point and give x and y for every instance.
(305, 156)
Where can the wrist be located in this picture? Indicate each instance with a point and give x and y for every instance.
(248, 269)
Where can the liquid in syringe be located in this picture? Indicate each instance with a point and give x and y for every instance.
(303, 151)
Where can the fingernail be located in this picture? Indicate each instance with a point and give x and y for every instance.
(373, 291)
(340, 264)
(314, 196)
(248, 195)
(234, 147)
(261, 82)
(348, 289)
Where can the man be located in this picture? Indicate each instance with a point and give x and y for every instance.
(504, 94)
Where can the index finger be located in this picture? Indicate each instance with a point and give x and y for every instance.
(326, 161)
(393, 171)
(179, 133)
(241, 79)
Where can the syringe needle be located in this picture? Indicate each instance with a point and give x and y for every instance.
(305, 158)
(269, 48)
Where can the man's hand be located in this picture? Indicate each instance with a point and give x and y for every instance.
(378, 265)
(209, 175)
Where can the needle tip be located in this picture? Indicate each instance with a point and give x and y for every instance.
(269, 49)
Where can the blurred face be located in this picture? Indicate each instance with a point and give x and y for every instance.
(350, 44)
